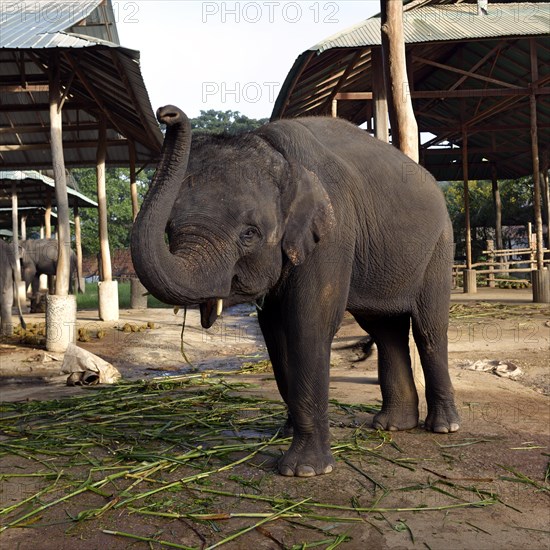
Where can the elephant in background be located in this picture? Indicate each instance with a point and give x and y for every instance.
(309, 217)
(39, 257)
(9, 283)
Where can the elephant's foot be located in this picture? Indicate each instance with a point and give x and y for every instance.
(393, 419)
(442, 417)
(306, 458)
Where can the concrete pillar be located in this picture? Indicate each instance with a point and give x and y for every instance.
(540, 279)
(108, 300)
(469, 281)
(60, 322)
(138, 296)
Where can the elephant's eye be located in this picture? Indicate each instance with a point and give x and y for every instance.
(249, 236)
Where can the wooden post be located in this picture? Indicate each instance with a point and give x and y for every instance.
(470, 284)
(541, 277)
(58, 161)
(497, 203)
(24, 227)
(78, 245)
(138, 293)
(491, 258)
(379, 97)
(403, 123)
(15, 222)
(107, 288)
(133, 182)
(334, 111)
(498, 208)
(106, 268)
(466, 199)
(535, 154)
(545, 193)
(48, 215)
(60, 307)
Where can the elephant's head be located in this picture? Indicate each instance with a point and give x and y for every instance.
(235, 210)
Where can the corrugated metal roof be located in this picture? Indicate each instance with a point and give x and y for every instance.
(34, 187)
(28, 24)
(34, 218)
(102, 79)
(449, 22)
(463, 67)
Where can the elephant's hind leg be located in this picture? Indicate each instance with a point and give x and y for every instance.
(399, 397)
(432, 347)
(430, 321)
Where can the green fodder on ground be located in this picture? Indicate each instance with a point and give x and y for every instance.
(201, 451)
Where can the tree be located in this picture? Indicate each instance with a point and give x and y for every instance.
(228, 122)
(517, 208)
(119, 206)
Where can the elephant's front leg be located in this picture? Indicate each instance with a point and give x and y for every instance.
(305, 326)
(307, 394)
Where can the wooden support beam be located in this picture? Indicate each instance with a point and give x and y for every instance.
(91, 89)
(106, 269)
(48, 215)
(33, 107)
(15, 222)
(468, 227)
(17, 88)
(342, 80)
(403, 123)
(133, 182)
(354, 96)
(498, 207)
(78, 242)
(468, 74)
(535, 152)
(455, 94)
(24, 227)
(545, 190)
(56, 137)
(39, 128)
(379, 95)
(68, 145)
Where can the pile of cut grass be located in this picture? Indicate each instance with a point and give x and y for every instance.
(174, 449)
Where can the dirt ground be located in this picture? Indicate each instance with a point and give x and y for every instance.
(486, 486)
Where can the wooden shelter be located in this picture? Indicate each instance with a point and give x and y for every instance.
(479, 79)
(72, 96)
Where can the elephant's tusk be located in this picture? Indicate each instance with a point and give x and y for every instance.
(219, 307)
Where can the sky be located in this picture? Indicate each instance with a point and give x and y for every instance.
(227, 55)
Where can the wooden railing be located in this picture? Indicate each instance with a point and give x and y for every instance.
(503, 262)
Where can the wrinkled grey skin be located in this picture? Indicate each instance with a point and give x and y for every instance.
(39, 257)
(314, 217)
(9, 282)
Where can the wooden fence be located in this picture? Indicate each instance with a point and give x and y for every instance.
(503, 263)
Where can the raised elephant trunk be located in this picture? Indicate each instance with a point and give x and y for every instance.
(155, 266)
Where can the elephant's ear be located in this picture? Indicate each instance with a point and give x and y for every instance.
(310, 215)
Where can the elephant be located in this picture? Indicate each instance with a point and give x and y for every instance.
(39, 257)
(309, 218)
(9, 282)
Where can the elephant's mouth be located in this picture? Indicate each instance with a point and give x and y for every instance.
(210, 311)
(212, 308)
